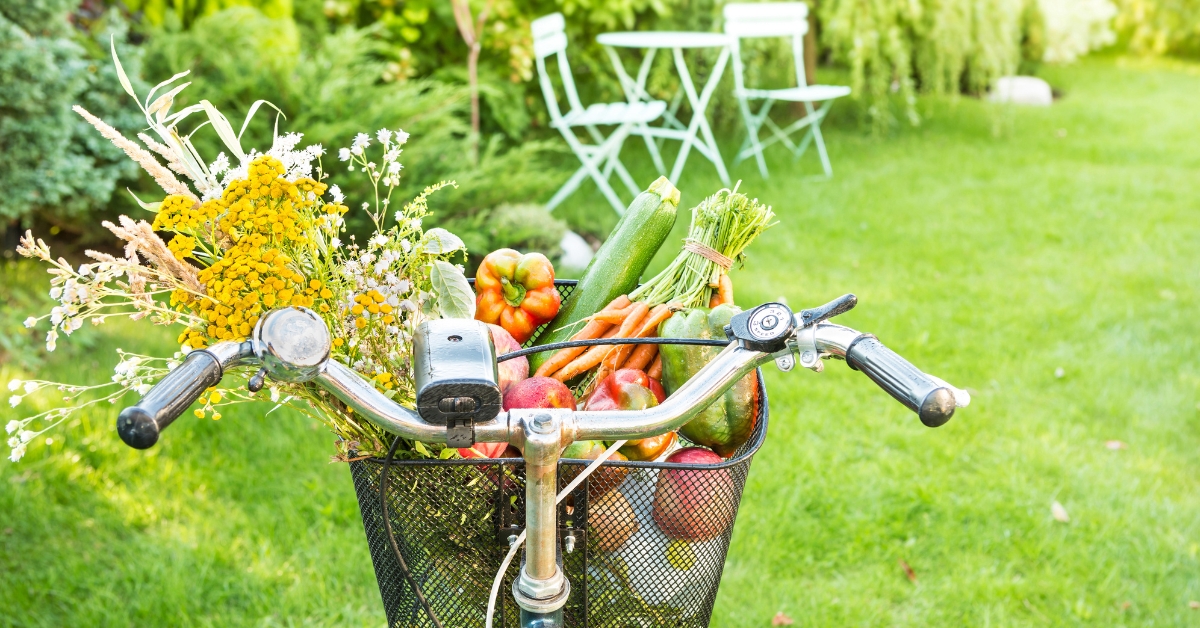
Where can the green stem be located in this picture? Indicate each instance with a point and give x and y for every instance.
(514, 293)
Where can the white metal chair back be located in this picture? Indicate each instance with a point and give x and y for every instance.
(777, 19)
(766, 19)
(601, 159)
(550, 38)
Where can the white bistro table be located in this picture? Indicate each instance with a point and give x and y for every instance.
(635, 90)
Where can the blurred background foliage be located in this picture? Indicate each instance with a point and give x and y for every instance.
(339, 67)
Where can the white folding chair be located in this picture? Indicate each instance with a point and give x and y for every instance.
(601, 159)
(777, 19)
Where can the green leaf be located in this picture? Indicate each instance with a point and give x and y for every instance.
(224, 130)
(452, 293)
(254, 109)
(439, 241)
(147, 206)
(112, 44)
(447, 453)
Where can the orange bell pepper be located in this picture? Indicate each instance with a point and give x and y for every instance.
(516, 292)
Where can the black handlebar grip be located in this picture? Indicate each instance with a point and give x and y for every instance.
(932, 401)
(139, 425)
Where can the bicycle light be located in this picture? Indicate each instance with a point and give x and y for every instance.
(455, 372)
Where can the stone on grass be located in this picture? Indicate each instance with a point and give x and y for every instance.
(1022, 90)
(576, 252)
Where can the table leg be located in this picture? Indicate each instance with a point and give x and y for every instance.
(699, 121)
(635, 91)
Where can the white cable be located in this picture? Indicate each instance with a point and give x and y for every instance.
(512, 551)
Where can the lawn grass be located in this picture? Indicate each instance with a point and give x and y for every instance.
(991, 247)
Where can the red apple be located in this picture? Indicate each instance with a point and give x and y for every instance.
(483, 450)
(694, 504)
(510, 371)
(538, 392)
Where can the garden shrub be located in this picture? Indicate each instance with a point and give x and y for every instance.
(1160, 26)
(56, 166)
(522, 226)
(332, 89)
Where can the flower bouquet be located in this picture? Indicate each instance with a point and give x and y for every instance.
(245, 233)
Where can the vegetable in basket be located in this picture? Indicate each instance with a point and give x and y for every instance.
(619, 264)
(516, 292)
(631, 389)
(728, 422)
(722, 226)
(539, 392)
(604, 479)
(510, 371)
(694, 504)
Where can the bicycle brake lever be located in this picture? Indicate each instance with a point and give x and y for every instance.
(812, 316)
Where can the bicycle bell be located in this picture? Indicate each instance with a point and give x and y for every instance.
(765, 328)
(292, 343)
(454, 361)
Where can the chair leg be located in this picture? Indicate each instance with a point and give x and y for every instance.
(591, 157)
(798, 151)
(763, 115)
(815, 133)
(615, 164)
(567, 189)
(753, 145)
(652, 146)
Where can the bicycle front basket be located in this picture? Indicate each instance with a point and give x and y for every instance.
(453, 520)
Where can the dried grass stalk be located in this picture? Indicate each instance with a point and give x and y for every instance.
(166, 153)
(140, 238)
(162, 176)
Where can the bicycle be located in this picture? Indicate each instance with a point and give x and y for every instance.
(459, 404)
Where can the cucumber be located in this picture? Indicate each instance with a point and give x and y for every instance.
(618, 265)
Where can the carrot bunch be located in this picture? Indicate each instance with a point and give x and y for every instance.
(621, 318)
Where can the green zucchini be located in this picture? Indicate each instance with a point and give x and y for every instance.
(618, 265)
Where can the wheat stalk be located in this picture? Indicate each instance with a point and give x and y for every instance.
(165, 152)
(141, 238)
(162, 176)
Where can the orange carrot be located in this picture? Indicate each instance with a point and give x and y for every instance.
(649, 328)
(618, 303)
(643, 355)
(724, 293)
(655, 370)
(593, 356)
(594, 329)
(613, 317)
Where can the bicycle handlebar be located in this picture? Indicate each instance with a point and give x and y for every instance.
(139, 425)
(933, 400)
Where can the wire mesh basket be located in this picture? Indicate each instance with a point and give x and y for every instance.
(643, 543)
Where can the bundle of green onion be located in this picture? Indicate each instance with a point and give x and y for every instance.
(723, 225)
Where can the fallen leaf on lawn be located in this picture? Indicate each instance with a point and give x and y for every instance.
(908, 571)
(1115, 445)
(1194, 605)
(1060, 513)
(1125, 605)
(782, 620)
